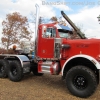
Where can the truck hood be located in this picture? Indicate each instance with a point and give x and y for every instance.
(81, 41)
(89, 47)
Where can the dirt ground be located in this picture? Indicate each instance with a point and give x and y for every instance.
(46, 87)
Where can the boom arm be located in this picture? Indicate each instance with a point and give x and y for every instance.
(73, 25)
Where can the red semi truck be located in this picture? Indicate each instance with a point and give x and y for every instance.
(76, 60)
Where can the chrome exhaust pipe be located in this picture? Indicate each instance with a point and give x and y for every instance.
(36, 28)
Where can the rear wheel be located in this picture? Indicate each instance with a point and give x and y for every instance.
(81, 81)
(15, 72)
(3, 68)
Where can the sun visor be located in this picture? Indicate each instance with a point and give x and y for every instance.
(62, 27)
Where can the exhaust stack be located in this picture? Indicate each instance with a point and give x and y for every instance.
(36, 28)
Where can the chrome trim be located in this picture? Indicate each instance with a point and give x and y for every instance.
(45, 71)
(45, 68)
(57, 47)
(55, 66)
(26, 67)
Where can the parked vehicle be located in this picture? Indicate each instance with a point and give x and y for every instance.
(76, 60)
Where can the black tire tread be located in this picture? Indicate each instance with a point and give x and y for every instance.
(91, 73)
(34, 70)
(5, 64)
(19, 69)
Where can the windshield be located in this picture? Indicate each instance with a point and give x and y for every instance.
(64, 35)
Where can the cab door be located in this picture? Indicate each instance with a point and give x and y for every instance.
(47, 43)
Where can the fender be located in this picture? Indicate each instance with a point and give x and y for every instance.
(24, 60)
(94, 61)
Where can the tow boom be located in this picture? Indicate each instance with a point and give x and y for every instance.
(73, 25)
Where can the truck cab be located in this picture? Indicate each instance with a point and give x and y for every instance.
(50, 37)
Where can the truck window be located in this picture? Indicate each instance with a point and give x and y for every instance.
(64, 34)
(50, 33)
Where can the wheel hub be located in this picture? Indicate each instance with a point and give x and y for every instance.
(14, 71)
(1, 69)
(80, 82)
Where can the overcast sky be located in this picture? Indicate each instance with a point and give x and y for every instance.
(83, 13)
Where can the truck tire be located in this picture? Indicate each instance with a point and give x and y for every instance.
(15, 72)
(81, 81)
(35, 72)
(34, 69)
(3, 68)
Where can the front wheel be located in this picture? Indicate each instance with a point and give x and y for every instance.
(35, 72)
(81, 81)
(34, 69)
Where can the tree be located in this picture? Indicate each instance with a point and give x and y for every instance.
(58, 20)
(54, 19)
(15, 28)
